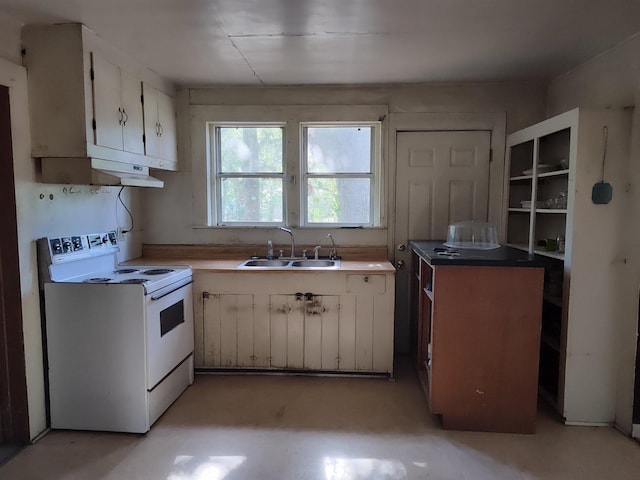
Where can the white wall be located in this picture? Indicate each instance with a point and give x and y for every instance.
(169, 213)
(63, 209)
(613, 80)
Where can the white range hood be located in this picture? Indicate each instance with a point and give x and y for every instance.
(95, 171)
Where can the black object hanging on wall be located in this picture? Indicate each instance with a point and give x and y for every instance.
(602, 192)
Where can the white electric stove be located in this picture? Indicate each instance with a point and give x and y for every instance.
(119, 338)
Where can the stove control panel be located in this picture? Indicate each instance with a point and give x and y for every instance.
(73, 247)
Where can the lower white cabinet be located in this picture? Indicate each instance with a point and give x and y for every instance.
(327, 321)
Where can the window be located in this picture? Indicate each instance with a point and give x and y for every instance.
(249, 174)
(263, 171)
(339, 165)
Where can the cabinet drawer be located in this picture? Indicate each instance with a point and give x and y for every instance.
(366, 283)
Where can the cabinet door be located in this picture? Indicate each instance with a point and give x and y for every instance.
(305, 333)
(287, 331)
(107, 108)
(228, 330)
(151, 124)
(159, 124)
(373, 351)
(132, 124)
(117, 107)
(167, 121)
(321, 328)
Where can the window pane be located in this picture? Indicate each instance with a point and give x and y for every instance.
(339, 149)
(339, 200)
(251, 200)
(251, 149)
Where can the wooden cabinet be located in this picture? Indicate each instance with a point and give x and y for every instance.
(85, 100)
(552, 168)
(321, 321)
(477, 343)
(159, 125)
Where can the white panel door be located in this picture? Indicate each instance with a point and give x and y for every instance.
(442, 177)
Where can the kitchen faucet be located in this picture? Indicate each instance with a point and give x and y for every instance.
(333, 254)
(293, 243)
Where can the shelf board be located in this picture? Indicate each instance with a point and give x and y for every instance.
(551, 210)
(524, 247)
(519, 178)
(428, 293)
(520, 246)
(555, 173)
(544, 253)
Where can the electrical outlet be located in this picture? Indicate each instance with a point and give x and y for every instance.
(121, 234)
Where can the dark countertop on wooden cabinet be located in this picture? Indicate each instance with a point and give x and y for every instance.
(498, 257)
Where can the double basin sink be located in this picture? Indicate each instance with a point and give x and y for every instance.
(304, 263)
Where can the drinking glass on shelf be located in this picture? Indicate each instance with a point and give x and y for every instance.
(561, 200)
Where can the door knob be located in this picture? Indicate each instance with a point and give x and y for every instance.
(402, 247)
(400, 264)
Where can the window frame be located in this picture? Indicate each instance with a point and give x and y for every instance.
(216, 175)
(203, 205)
(374, 174)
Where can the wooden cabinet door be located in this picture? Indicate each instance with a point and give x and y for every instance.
(151, 124)
(117, 107)
(132, 124)
(107, 108)
(321, 330)
(373, 304)
(167, 120)
(228, 330)
(159, 124)
(304, 333)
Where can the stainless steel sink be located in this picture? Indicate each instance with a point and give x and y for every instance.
(312, 263)
(263, 263)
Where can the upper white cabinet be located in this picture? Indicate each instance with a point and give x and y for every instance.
(552, 168)
(159, 124)
(86, 100)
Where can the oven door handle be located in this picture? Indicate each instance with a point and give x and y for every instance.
(171, 288)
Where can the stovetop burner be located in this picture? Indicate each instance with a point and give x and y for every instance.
(126, 270)
(134, 280)
(97, 280)
(158, 271)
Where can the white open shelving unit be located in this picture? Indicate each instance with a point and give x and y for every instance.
(577, 353)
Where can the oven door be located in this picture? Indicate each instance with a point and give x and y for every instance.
(169, 329)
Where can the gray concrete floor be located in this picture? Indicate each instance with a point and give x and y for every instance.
(294, 427)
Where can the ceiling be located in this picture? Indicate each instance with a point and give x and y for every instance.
(292, 42)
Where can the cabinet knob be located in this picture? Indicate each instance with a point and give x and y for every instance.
(400, 264)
